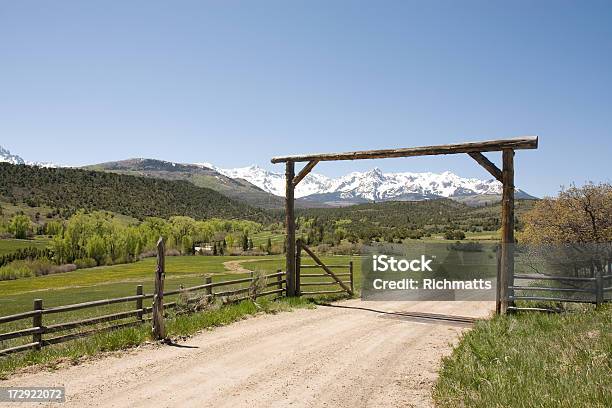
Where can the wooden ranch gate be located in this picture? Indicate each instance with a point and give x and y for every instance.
(313, 283)
(474, 149)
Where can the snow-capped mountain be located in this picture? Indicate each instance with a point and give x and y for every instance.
(274, 183)
(6, 156)
(315, 190)
(373, 185)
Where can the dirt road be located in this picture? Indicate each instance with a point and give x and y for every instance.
(236, 266)
(327, 357)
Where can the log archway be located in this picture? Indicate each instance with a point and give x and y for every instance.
(473, 149)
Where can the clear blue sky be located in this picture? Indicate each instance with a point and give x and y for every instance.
(235, 83)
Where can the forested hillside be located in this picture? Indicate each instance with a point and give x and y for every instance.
(402, 219)
(138, 197)
(236, 189)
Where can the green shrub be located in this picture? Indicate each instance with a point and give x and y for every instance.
(15, 270)
(454, 235)
(27, 268)
(20, 226)
(83, 263)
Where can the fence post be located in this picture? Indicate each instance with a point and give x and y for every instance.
(139, 292)
(159, 329)
(499, 282)
(279, 279)
(352, 276)
(599, 286)
(298, 267)
(37, 322)
(208, 291)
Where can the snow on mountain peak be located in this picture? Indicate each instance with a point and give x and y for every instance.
(7, 157)
(371, 185)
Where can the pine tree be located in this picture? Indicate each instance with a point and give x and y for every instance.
(269, 246)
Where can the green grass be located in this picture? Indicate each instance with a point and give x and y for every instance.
(531, 360)
(261, 238)
(176, 326)
(109, 281)
(8, 246)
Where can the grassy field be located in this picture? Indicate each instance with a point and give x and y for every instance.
(121, 280)
(107, 281)
(261, 238)
(532, 360)
(11, 245)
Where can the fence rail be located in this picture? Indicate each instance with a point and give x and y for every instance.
(314, 285)
(343, 285)
(588, 290)
(139, 313)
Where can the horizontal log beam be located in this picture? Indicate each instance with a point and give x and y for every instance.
(322, 275)
(95, 303)
(488, 165)
(323, 292)
(16, 349)
(304, 172)
(320, 283)
(528, 142)
(551, 299)
(329, 266)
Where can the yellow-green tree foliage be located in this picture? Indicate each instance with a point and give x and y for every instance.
(100, 236)
(577, 215)
(20, 226)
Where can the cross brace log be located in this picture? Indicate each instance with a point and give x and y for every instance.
(488, 165)
(304, 172)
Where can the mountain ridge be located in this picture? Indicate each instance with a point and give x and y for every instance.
(7, 157)
(373, 186)
(236, 189)
(137, 197)
(265, 189)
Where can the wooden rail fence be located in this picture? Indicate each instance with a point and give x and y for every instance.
(38, 332)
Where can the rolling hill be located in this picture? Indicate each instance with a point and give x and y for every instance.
(201, 176)
(138, 197)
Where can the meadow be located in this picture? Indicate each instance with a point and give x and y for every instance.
(8, 246)
(121, 280)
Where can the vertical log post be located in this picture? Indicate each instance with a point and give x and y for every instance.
(352, 276)
(139, 292)
(159, 329)
(37, 322)
(290, 226)
(279, 279)
(599, 287)
(499, 282)
(507, 239)
(209, 290)
(298, 267)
